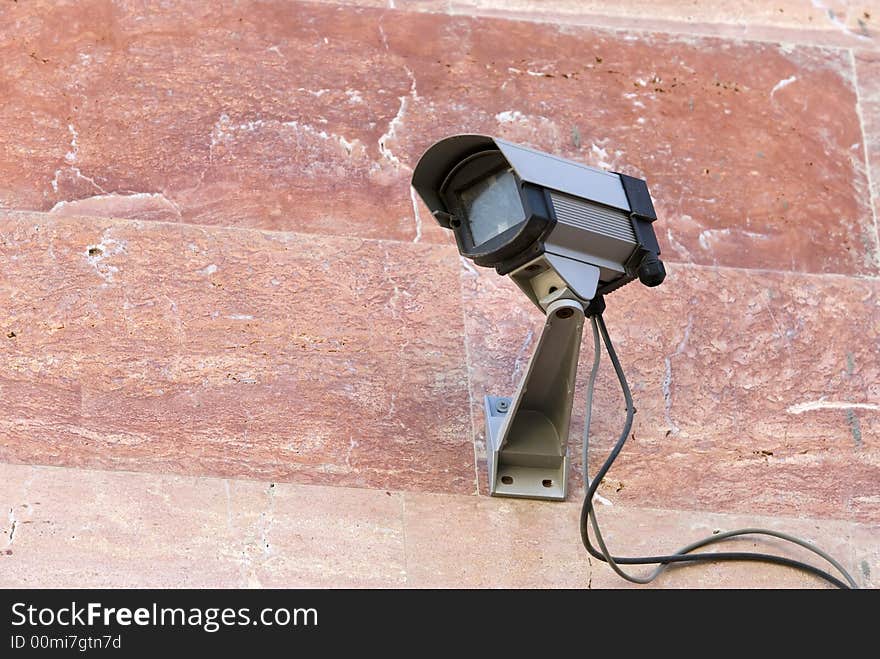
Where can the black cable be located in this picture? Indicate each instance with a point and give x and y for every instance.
(588, 514)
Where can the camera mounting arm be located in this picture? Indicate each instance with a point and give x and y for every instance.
(527, 436)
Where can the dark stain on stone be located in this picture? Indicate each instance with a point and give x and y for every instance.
(854, 427)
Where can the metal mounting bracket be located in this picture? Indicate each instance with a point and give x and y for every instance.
(527, 436)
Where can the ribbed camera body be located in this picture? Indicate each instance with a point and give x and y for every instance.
(513, 208)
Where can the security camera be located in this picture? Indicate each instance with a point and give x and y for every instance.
(566, 234)
(510, 206)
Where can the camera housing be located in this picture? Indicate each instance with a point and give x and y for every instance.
(508, 205)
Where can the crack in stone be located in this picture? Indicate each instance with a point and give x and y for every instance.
(13, 525)
(397, 120)
(268, 516)
(391, 132)
(416, 215)
(352, 442)
(782, 84)
(71, 155)
(78, 173)
(224, 128)
(667, 378)
(70, 158)
(14, 522)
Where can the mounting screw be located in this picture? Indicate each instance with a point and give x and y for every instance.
(502, 406)
(565, 313)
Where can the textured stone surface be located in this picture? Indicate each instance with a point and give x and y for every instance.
(82, 528)
(331, 537)
(318, 358)
(215, 351)
(832, 21)
(493, 543)
(752, 150)
(755, 391)
(256, 114)
(97, 529)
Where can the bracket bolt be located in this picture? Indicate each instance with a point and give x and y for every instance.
(502, 406)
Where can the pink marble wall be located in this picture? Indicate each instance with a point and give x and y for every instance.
(211, 262)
